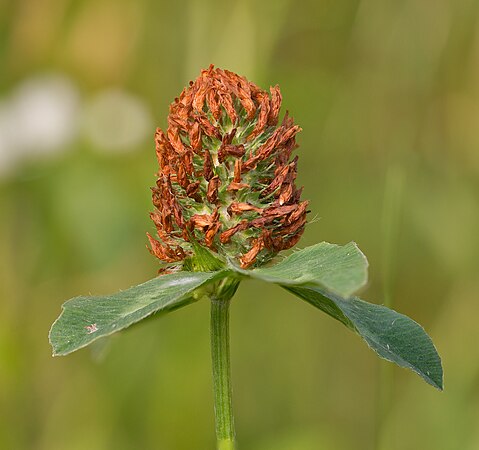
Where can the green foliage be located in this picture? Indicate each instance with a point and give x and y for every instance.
(339, 269)
(85, 319)
(325, 275)
(393, 336)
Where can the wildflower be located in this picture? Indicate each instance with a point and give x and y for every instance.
(226, 178)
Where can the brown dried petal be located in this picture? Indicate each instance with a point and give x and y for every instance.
(286, 193)
(276, 100)
(295, 226)
(195, 136)
(226, 235)
(300, 211)
(208, 166)
(234, 186)
(211, 233)
(181, 177)
(230, 150)
(209, 129)
(280, 176)
(212, 192)
(289, 133)
(177, 213)
(164, 252)
(175, 140)
(262, 117)
(237, 172)
(200, 95)
(280, 210)
(213, 104)
(250, 257)
(201, 221)
(192, 189)
(240, 208)
(227, 103)
(228, 137)
(187, 159)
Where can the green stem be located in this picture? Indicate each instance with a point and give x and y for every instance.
(220, 353)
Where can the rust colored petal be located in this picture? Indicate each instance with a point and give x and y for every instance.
(263, 115)
(187, 160)
(276, 100)
(286, 193)
(289, 133)
(209, 129)
(280, 176)
(280, 210)
(264, 150)
(228, 137)
(250, 257)
(227, 103)
(299, 212)
(175, 140)
(192, 190)
(164, 252)
(237, 171)
(241, 89)
(181, 176)
(239, 208)
(233, 186)
(213, 103)
(212, 192)
(230, 150)
(295, 226)
(211, 233)
(200, 95)
(177, 213)
(208, 166)
(225, 237)
(178, 122)
(195, 136)
(201, 221)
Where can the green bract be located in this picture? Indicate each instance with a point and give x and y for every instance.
(324, 275)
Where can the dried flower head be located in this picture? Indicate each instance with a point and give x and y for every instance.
(226, 178)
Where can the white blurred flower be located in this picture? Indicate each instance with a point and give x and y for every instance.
(39, 118)
(45, 111)
(116, 121)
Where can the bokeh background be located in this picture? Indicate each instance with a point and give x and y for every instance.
(388, 96)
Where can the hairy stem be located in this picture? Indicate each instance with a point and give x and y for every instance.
(220, 353)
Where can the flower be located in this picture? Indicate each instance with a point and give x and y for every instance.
(226, 178)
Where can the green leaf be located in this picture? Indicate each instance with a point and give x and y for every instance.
(339, 269)
(85, 319)
(391, 335)
(202, 260)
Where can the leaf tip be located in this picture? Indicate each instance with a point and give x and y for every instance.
(438, 381)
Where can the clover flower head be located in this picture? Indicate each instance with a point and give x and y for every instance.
(226, 178)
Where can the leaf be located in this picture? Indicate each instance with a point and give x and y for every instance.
(339, 269)
(85, 319)
(202, 260)
(393, 336)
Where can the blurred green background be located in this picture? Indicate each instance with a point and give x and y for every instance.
(388, 96)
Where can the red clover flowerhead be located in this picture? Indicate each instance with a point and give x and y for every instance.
(226, 178)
